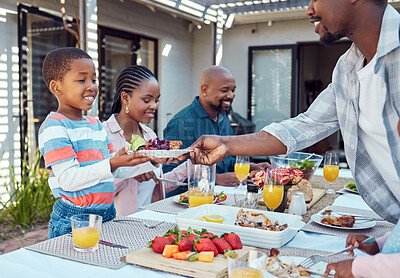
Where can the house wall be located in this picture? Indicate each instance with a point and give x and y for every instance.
(175, 71)
(236, 42)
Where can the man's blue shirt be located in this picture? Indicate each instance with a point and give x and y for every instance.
(190, 123)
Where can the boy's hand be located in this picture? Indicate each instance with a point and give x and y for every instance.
(146, 177)
(355, 240)
(121, 158)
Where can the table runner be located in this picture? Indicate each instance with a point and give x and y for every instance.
(133, 235)
(381, 228)
(169, 205)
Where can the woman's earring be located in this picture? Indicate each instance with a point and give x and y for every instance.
(126, 109)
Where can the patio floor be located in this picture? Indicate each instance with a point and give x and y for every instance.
(27, 239)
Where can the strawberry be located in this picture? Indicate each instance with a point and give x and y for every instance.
(184, 232)
(221, 244)
(158, 244)
(171, 237)
(192, 237)
(234, 240)
(209, 235)
(184, 244)
(205, 244)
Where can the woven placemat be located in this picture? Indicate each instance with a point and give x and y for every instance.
(133, 235)
(301, 252)
(381, 228)
(169, 205)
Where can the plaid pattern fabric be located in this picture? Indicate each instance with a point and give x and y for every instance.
(337, 108)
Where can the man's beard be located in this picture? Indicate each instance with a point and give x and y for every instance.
(219, 108)
(328, 38)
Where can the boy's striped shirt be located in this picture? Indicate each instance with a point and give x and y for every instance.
(61, 139)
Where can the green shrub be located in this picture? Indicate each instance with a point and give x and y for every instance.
(30, 198)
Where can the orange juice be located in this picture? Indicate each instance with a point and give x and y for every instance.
(331, 172)
(242, 170)
(199, 198)
(245, 272)
(86, 237)
(273, 195)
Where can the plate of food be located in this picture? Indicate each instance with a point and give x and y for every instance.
(183, 199)
(159, 148)
(288, 266)
(351, 187)
(340, 221)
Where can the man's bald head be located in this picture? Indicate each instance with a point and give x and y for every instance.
(213, 72)
(217, 90)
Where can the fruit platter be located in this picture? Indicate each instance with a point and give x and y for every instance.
(190, 252)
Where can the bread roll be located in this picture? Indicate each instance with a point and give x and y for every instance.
(303, 186)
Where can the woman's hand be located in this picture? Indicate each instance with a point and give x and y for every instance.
(355, 240)
(146, 177)
(121, 158)
(227, 179)
(342, 269)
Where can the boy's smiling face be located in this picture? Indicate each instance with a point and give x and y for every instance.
(78, 89)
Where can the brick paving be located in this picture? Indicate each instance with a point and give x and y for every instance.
(27, 239)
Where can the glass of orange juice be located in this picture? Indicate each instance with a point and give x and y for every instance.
(273, 189)
(253, 266)
(201, 182)
(331, 169)
(86, 232)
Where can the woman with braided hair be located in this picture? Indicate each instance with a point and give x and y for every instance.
(135, 104)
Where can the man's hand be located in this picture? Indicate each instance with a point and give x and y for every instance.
(259, 166)
(121, 158)
(146, 177)
(355, 240)
(208, 149)
(227, 179)
(342, 269)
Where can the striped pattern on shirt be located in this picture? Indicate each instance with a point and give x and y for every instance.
(61, 139)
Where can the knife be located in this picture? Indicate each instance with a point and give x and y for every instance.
(108, 243)
(173, 182)
(112, 244)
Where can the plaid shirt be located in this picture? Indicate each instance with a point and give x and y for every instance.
(337, 107)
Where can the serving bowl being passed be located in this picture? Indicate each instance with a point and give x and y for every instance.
(307, 162)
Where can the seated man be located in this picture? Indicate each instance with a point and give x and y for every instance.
(208, 115)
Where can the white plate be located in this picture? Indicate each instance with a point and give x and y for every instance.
(164, 153)
(358, 225)
(319, 267)
(349, 190)
(177, 198)
(249, 236)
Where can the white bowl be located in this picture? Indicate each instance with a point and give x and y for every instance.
(249, 236)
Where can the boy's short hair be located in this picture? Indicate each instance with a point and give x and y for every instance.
(57, 63)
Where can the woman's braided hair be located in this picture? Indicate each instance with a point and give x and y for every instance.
(129, 80)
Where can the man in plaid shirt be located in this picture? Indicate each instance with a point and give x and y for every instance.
(363, 101)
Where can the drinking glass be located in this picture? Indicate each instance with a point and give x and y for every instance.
(251, 267)
(273, 189)
(86, 232)
(201, 182)
(331, 169)
(242, 169)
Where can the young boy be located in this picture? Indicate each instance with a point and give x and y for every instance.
(76, 149)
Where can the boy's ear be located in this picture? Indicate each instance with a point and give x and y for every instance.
(54, 87)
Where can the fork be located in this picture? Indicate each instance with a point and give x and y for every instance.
(314, 259)
(139, 221)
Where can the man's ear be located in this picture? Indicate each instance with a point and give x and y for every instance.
(54, 87)
(204, 89)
